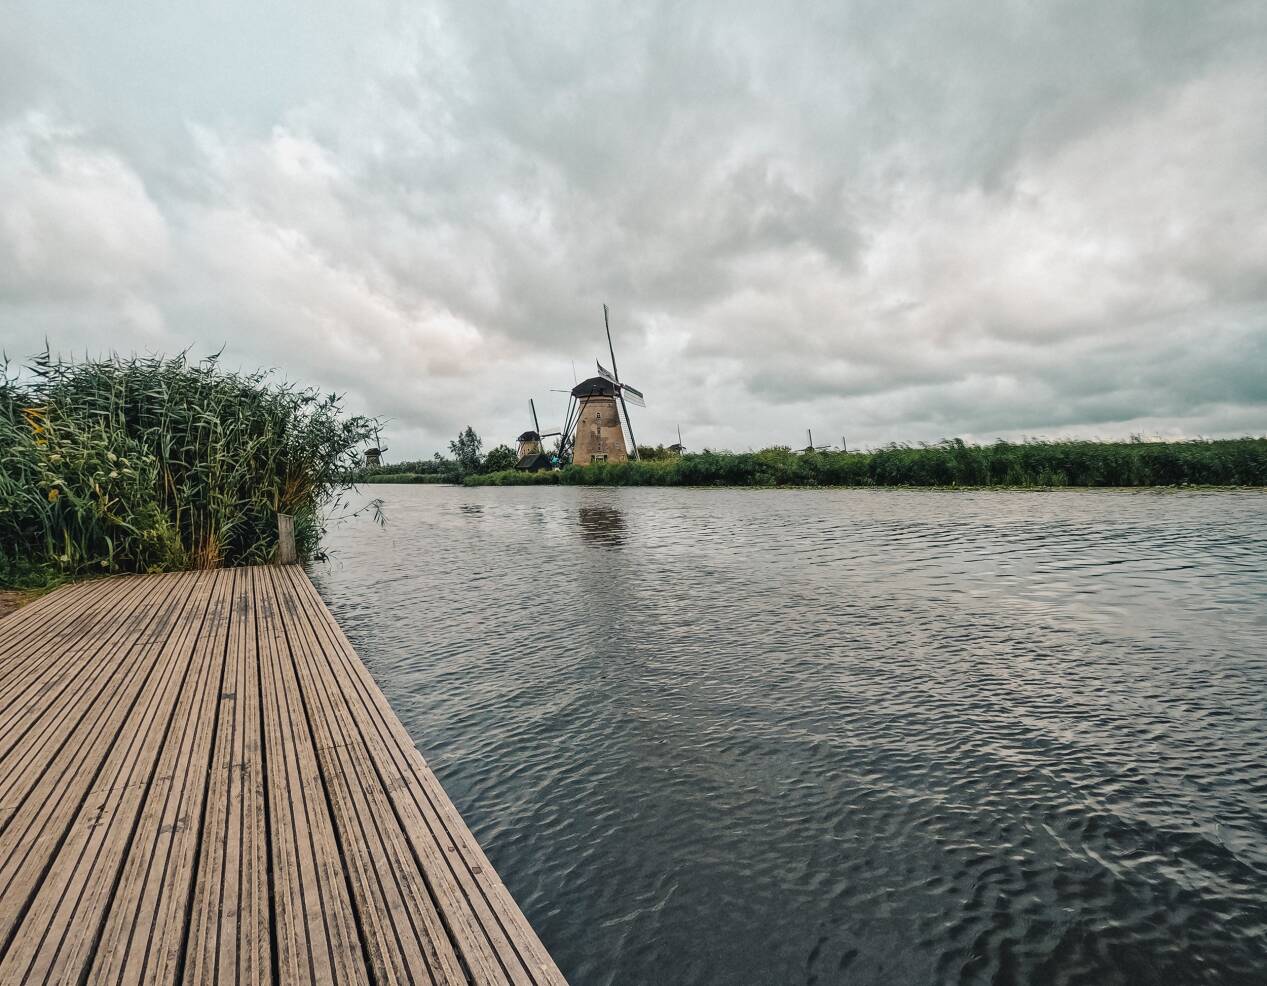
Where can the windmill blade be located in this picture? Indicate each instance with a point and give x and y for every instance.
(536, 426)
(610, 348)
(549, 434)
(632, 395)
(569, 425)
(605, 373)
(620, 391)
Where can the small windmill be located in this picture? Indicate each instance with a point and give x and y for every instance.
(811, 447)
(531, 456)
(374, 456)
(592, 426)
(679, 448)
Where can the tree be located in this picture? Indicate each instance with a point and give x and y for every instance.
(466, 449)
(500, 458)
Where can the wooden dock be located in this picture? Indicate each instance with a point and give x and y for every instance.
(201, 783)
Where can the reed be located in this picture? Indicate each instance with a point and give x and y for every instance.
(1230, 462)
(158, 463)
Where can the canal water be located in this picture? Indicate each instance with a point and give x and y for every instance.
(835, 736)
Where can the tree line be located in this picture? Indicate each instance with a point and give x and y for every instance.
(466, 458)
(1227, 462)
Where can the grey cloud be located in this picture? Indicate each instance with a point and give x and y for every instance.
(976, 218)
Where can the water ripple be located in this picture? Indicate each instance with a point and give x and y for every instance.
(760, 737)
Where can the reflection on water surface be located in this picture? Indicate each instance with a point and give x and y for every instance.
(841, 736)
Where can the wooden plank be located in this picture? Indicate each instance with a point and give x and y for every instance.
(405, 935)
(145, 925)
(206, 785)
(477, 907)
(229, 937)
(28, 625)
(57, 936)
(30, 663)
(66, 690)
(317, 937)
(42, 740)
(286, 553)
(37, 821)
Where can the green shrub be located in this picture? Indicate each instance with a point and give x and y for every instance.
(403, 477)
(154, 464)
(1230, 462)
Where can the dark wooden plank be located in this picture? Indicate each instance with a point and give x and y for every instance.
(57, 936)
(476, 905)
(405, 935)
(199, 780)
(37, 823)
(36, 623)
(54, 727)
(229, 938)
(38, 669)
(144, 932)
(58, 697)
(317, 937)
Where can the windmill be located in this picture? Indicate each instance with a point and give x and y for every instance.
(531, 456)
(811, 447)
(679, 448)
(592, 427)
(374, 456)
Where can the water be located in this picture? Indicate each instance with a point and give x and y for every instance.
(766, 737)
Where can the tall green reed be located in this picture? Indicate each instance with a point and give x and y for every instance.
(159, 463)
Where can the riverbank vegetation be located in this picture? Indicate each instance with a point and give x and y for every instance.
(466, 461)
(160, 464)
(1232, 462)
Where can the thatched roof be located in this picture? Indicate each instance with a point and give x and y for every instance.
(594, 387)
(535, 462)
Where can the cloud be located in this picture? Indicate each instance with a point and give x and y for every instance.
(980, 219)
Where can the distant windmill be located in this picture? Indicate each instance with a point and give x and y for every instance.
(531, 456)
(592, 427)
(374, 456)
(811, 447)
(679, 448)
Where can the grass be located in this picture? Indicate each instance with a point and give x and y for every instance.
(402, 477)
(160, 464)
(1230, 462)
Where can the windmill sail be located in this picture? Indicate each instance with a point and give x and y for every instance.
(605, 373)
(615, 378)
(633, 395)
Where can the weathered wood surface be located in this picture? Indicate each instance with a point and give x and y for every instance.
(201, 783)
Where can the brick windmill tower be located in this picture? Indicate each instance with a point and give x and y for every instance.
(593, 423)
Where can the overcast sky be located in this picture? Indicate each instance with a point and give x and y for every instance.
(973, 219)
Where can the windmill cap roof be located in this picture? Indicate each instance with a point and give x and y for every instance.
(529, 436)
(594, 387)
